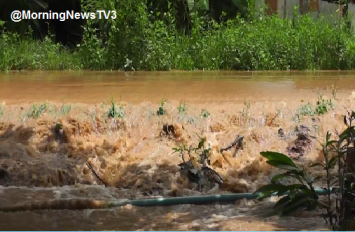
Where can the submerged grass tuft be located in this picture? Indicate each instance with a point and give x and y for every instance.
(37, 110)
(161, 110)
(115, 112)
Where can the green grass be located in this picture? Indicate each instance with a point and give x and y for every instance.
(205, 113)
(161, 110)
(65, 109)
(114, 111)
(263, 43)
(37, 110)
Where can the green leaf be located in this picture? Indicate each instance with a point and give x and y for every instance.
(264, 195)
(332, 162)
(331, 142)
(346, 133)
(290, 188)
(201, 143)
(298, 202)
(282, 202)
(280, 176)
(278, 157)
(328, 137)
(281, 165)
(271, 187)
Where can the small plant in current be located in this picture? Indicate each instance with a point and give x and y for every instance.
(115, 112)
(182, 108)
(1, 111)
(65, 109)
(323, 106)
(306, 110)
(205, 113)
(37, 110)
(161, 110)
(201, 151)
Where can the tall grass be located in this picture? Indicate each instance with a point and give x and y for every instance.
(140, 39)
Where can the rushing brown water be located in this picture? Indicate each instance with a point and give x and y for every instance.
(197, 87)
(134, 157)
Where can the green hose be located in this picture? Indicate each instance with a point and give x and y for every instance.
(81, 204)
(208, 199)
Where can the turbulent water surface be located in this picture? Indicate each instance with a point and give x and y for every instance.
(134, 156)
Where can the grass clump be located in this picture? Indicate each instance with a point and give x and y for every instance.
(182, 108)
(161, 110)
(306, 110)
(115, 112)
(37, 110)
(323, 106)
(205, 113)
(65, 109)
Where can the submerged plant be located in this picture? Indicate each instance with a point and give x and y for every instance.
(115, 112)
(161, 110)
(37, 110)
(205, 113)
(65, 109)
(323, 106)
(182, 108)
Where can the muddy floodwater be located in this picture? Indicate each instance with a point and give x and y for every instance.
(53, 123)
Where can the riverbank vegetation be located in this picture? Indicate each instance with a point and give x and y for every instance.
(143, 37)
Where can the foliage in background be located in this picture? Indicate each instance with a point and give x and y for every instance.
(143, 37)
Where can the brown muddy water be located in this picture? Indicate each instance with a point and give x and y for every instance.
(135, 158)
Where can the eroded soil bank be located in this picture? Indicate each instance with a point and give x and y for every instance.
(49, 145)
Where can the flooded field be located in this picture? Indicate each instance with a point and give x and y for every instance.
(44, 147)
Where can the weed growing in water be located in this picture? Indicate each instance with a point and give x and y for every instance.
(205, 113)
(37, 110)
(306, 110)
(161, 110)
(1, 111)
(323, 106)
(65, 109)
(113, 112)
(182, 108)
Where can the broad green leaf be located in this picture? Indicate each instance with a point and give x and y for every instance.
(271, 187)
(281, 165)
(332, 162)
(278, 157)
(280, 176)
(296, 203)
(282, 202)
(346, 133)
(201, 143)
(264, 194)
(290, 188)
(328, 137)
(331, 142)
